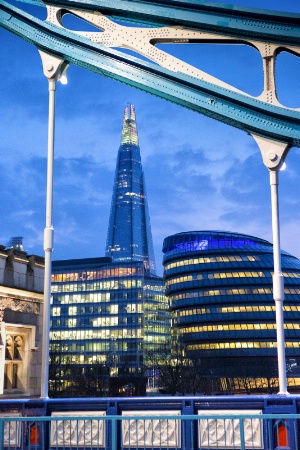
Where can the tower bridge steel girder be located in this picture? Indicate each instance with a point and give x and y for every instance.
(275, 127)
(173, 21)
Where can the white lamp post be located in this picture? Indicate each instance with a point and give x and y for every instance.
(278, 282)
(54, 69)
(274, 154)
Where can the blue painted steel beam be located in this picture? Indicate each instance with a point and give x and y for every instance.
(241, 23)
(233, 108)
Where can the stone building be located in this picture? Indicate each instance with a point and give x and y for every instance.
(21, 312)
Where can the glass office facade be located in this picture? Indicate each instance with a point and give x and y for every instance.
(219, 286)
(113, 310)
(112, 313)
(129, 234)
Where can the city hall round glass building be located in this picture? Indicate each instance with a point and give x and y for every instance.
(219, 286)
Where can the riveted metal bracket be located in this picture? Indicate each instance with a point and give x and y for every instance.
(54, 68)
(273, 152)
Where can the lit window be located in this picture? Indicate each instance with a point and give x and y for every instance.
(72, 310)
(55, 311)
(72, 323)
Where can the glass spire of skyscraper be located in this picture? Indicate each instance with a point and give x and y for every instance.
(129, 235)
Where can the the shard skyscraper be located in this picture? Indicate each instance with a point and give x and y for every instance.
(129, 233)
(113, 310)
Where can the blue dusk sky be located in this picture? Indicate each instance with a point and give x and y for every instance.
(200, 174)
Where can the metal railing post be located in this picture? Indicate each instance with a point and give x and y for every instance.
(113, 433)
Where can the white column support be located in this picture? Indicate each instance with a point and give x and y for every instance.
(278, 283)
(274, 154)
(48, 241)
(53, 70)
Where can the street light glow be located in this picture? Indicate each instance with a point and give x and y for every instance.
(63, 79)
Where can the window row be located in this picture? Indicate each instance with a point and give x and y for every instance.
(211, 276)
(231, 309)
(215, 275)
(290, 274)
(130, 308)
(98, 297)
(97, 274)
(113, 284)
(83, 323)
(237, 327)
(229, 345)
(239, 291)
(149, 287)
(188, 262)
(96, 334)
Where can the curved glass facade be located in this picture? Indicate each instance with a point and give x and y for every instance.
(219, 286)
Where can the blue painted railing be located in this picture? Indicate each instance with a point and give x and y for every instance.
(203, 431)
(183, 423)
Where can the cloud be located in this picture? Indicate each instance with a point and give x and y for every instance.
(200, 174)
(195, 193)
(289, 236)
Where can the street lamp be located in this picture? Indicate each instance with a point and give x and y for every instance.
(54, 69)
(274, 154)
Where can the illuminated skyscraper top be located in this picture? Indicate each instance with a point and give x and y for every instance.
(129, 130)
(129, 233)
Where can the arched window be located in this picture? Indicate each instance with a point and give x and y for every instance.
(13, 361)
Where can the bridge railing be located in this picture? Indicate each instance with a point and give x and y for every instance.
(146, 430)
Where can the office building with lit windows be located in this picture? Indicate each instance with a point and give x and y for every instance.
(113, 310)
(113, 313)
(219, 286)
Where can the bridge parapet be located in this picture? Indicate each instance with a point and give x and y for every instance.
(246, 422)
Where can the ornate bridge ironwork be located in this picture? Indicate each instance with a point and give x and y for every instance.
(159, 73)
